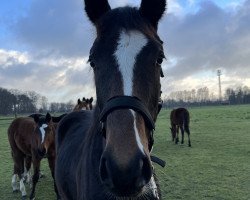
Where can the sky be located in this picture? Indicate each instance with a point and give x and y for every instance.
(44, 46)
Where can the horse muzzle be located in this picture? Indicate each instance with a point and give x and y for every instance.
(125, 181)
(42, 153)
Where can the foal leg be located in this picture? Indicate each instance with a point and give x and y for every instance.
(182, 134)
(14, 183)
(18, 159)
(22, 179)
(22, 187)
(177, 135)
(51, 160)
(36, 166)
(28, 161)
(188, 133)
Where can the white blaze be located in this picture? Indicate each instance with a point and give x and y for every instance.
(130, 44)
(138, 139)
(43, 131)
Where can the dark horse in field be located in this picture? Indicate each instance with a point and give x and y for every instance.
(31, 139)
(180, 119)
(105, 154)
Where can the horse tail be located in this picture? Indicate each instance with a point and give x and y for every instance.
(16, 153)
(11, 134)
(186, 121)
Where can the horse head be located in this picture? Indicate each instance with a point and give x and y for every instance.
(81, 105)
(89, 102)
(44, 133)
(126, 59)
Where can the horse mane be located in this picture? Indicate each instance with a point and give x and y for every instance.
(93, 151)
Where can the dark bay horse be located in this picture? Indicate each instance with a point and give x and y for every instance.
(104, 154)
(180, 120)
(31, 138)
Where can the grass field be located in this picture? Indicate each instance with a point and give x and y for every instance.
(217, 167)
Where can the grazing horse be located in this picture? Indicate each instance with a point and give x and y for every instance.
(85, 104)
(31, 139)
(180, 119)
(105, 153)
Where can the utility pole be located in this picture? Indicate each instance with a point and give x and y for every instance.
(219, 74)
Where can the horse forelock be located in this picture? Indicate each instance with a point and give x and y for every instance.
(126, 18)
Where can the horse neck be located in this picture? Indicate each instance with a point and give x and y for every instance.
(95, 138)
(52, 134)
(88, 168)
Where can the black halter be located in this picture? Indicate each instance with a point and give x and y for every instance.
(129, 102)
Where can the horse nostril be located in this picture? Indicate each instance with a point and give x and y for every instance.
(146, 172)
(103, 169)
(41, 152)
(125, 180)
(104, 173)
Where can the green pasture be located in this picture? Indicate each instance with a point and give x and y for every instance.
(216, 167)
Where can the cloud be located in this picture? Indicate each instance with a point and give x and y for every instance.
(59, 27)
(62, 27)
(209, 39)
(52, 43)
(58, 79)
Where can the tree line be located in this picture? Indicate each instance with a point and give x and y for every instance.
(203, 97)
(18, 102)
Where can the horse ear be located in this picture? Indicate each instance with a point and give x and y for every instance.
(36, 118)
(153, 10)
(91, 100)
(83, 99)
(48, 117)
(96, 8)
(78, 101)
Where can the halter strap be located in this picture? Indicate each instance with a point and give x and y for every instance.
(134, 103)
(127, 102)
(157, 160)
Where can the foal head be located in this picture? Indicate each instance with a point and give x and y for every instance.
(88, 102)
(44, 134)
(81, 105)
(126, 58)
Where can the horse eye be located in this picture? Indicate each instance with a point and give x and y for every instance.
(90, 61)
(159, 61)
(92, 64)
